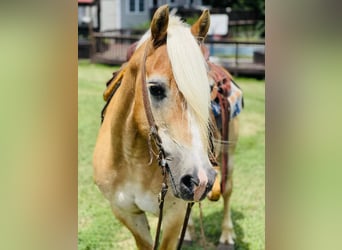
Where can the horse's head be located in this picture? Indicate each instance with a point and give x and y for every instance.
(179, 95)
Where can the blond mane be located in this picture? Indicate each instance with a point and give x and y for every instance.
(189, 69)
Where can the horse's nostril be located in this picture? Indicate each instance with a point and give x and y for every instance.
(189, 181)
(209, 185)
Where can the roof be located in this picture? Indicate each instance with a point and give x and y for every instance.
(86, 1)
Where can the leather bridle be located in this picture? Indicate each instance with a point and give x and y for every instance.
(154, 136)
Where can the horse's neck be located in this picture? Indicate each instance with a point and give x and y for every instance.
(128, 143)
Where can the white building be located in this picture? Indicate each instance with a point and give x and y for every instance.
(124, 14)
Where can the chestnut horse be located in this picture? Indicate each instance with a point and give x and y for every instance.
(170, 62)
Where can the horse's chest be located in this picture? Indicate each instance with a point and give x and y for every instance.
(133, 198)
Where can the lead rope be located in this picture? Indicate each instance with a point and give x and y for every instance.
(185, 224)
(163, 164)
(161, 205)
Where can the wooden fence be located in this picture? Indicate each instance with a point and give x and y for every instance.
(110, 47)
(237, 62)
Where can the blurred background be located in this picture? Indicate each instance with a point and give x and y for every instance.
(236, 37)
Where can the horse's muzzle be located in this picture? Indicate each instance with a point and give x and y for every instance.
(195, 187)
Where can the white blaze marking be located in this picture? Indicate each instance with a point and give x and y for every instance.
(200, 189)
(198, 153)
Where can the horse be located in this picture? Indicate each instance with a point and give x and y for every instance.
(157, 129)
(226, 93)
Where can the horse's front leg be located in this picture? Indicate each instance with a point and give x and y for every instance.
(190, 232)
(172, 224)
(137, 223)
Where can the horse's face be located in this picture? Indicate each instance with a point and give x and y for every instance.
(191, 173)
(178, 91)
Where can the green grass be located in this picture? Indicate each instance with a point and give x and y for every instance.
(98, 229)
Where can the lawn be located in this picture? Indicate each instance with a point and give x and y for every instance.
(98, 229)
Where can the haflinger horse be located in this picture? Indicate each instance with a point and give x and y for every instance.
(157, 130)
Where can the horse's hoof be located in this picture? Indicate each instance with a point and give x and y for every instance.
(225, 247)
(187, 243)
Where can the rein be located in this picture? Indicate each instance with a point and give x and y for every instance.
(153, 135)
(225, 116)
(221, 94)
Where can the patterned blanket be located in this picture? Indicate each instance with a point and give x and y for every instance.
(223, 82)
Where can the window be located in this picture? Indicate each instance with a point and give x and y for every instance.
(136, 6)
(131, 5)
(141, 6)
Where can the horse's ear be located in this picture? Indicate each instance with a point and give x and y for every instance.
(159, 25)
(201, 27)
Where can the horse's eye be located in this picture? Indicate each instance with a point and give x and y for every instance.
(157, 91)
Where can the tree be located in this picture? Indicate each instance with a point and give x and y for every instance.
(218, 3)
